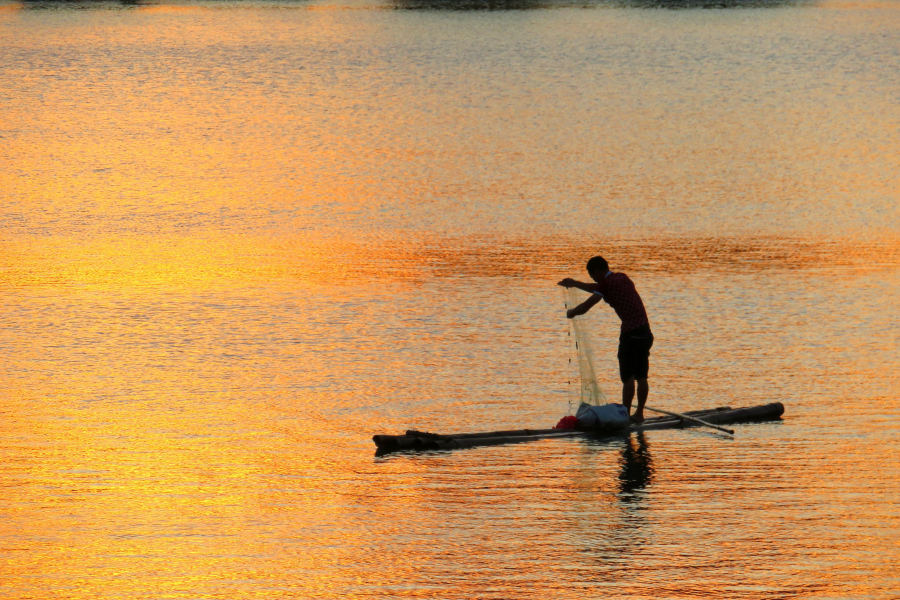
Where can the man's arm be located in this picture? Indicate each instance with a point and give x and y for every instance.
(568, 282)
(584, 306)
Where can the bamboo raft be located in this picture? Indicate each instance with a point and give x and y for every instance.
(422, 440)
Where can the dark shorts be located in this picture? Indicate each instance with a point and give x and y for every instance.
(634, 353)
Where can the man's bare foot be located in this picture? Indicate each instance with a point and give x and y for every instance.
(637, 418)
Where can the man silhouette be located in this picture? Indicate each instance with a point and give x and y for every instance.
(617, 290)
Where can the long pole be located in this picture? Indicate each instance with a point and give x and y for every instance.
(687, 418)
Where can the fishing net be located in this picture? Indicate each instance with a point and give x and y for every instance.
(588, 391)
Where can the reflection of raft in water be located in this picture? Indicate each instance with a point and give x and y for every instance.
(420, 440)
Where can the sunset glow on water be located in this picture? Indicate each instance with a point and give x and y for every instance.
(238, 239)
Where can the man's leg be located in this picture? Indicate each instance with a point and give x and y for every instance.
(628, 395)
(641, 370)
(643, 388)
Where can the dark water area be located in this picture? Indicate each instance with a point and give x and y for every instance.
(237, 239)
(492, 5)
(463, 5)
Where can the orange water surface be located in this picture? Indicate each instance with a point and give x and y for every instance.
(237, 239)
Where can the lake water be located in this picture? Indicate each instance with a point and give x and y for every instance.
(239, 239)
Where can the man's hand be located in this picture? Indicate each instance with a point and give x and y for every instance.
(583, 307)
(567, 283)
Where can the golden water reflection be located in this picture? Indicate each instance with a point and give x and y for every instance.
(237, 240)
(137, 262)
(190, 436)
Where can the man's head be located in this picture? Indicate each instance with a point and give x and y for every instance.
(597, 268)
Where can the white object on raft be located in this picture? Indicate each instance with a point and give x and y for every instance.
(605, 417)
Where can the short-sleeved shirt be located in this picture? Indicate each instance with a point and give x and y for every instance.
(618, 291)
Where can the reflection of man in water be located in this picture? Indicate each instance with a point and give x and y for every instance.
(637, 466)
(617, 290)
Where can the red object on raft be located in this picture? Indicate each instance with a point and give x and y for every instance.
(566, 423)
